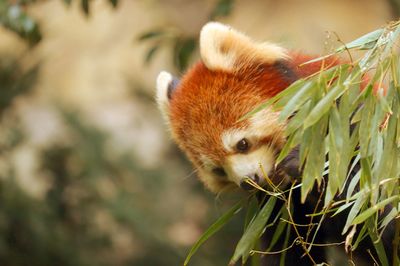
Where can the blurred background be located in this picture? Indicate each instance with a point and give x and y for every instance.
(88, 173)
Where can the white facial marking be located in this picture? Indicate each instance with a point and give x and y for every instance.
(257, 162)
(262, 124)
(231, 137)
(260, 161)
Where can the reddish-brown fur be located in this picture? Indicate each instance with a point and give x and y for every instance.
(206, 103)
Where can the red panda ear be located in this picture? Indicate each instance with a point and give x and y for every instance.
(166, 84)
(223, 48)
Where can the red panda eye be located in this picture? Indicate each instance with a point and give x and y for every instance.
(219, 171)
(243, 145)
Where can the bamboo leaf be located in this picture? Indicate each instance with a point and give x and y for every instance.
(314, 166)
(361, 236)
(370, 211)
(323, 106)
(335, 155)
(366, 172)
(292, 142)
(253, 232)
(380, 249)
(297, 120)
(318, 59)
(305, 146)
(282, 99)
(354, 211)
(215, 227)
(252, 209)
(343, 207)
(365, 126)
(364, 41)
(385, 160)
(298, 99)
(354, 179)
(280, 228)
(278, 101)
(389, 217)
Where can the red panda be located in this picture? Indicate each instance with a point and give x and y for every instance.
(235, 75)
(204, 110)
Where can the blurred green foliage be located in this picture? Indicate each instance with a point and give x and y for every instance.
(85, 4)
(93, 197)
(13, 16)
(182, 46)
(14, 80)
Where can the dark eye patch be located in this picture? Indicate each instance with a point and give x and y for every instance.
(219, 171)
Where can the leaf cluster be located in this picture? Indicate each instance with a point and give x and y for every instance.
(345, 119)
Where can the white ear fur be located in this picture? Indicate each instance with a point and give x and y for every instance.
(223, 48)
(163, 83)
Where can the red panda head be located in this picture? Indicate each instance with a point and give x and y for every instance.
(204, 109)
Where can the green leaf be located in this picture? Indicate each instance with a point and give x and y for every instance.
(305, 145)
(297, 120)
(292, 141)
(355, 179)
(389, 217)
(281, 100)
(365, 41)
(380, 249)
(326, 102)
(361, 236)
(366, 172)
(280, 228)
(386, 158)
(370, 211)
(215, 227)
(365, 126)
(317, 59)
(286, 242)
(354, 211)
(253, 232)
(343, 207)
(336, 151)
(253, 208)
(278, 101)
(315, 162)
(298, 99)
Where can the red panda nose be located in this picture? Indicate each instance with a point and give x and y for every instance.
(247, 186)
